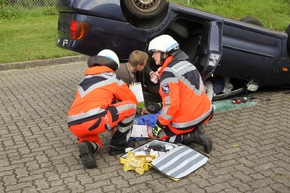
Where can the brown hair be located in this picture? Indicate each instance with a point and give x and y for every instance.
(137, 57)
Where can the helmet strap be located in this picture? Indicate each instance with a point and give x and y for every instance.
(163, 57)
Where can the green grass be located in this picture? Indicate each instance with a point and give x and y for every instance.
(32, 35)
(274, 14)
(30, 40)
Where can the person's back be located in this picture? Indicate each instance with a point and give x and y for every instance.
(185, 104)
(192, 104)
(102, 103)
(91, 97)
(124, 73)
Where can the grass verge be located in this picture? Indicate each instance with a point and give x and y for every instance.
(29, 35)
(274, 14)
(33, 39)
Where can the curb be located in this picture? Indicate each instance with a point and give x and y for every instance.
(40, 63)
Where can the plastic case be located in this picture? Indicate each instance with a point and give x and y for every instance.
(174, 160)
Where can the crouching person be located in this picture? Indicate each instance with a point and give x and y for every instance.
(102, 102)
(185, 105)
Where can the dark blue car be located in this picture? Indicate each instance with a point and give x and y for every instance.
(244, 52)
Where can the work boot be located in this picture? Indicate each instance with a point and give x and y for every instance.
(115, 150)
(87, 154)
(198, 136)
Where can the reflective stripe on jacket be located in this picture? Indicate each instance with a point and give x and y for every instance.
(184, 101)
(96, 92)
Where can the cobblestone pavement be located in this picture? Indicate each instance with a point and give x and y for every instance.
(39, 154)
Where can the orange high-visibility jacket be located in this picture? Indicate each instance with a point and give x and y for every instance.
(96, 92)
(184, 101)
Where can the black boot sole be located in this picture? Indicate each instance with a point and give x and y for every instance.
(87, 156)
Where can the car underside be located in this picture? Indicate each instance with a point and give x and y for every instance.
(242, 53)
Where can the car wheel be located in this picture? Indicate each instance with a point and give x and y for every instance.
(145, 9)
(252, 20)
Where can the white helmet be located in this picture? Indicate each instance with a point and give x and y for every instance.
(105, 57)
(110, 55)
(163, 43)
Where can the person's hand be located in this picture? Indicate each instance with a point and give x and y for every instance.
(144, 111)
(154, 77)
(154, 132)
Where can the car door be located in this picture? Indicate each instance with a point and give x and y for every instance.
(210, 48)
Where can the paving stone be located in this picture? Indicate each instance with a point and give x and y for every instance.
(39, 154)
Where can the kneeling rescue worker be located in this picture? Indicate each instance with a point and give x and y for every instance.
(186, 107)
(102, 102)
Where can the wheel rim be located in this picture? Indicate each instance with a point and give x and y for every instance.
(146, 5)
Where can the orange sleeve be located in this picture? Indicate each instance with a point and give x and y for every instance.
(124, 93)
(171, 102)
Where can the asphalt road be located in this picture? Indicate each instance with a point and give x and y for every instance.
(39, 154)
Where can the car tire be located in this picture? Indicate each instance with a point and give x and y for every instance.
(252, 20)
(143, 10)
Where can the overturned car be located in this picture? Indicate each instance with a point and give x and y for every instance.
(241, 53)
